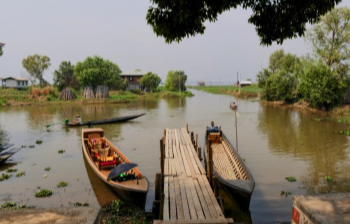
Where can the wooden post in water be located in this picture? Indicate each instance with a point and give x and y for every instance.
(216, 187)
(197, 144)
(187, 128)
(199, 151)
(210, 160)
(161, 157)
(236, 131)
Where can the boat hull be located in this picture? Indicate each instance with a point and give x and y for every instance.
(6, 155)
(106, 121)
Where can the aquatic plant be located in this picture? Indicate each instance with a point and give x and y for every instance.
(22, 206)
(329, 178)
(286, 193)
(61, 151)
(78, 204)
(11, 170)
(115, 207)
(20, 174)
(291, 179)
(47, 168)
(8, 205)
(345, 132)
(243, 159)
(5, 177)
(24, 146)
(39, 141)
(319, 119)
(43, 193)
(62, 184)
(31, 146)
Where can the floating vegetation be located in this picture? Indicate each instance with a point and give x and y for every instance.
(11, 170)
(319, 119)
(22, 206)
(5, 176)
(345, 132)
(62, 184)
(47, 168)
(43, 193)
(31, 146)
(39, 142)
(286, 193)
(291, 179)
(24, 146)
(38, 187)
(61, 151)
(78, 204)
(243, 159)
(20, 174)
(9, 205)
(329, 178)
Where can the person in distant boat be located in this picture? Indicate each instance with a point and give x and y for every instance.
(77, 120)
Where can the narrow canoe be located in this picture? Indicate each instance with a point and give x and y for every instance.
(5, 155)
(128, 190)
(5, 146)
(106, 121)
(230, 169)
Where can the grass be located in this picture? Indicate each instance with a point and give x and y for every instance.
(329, 178)
(43, 193)
(5, 176)
(247, 91)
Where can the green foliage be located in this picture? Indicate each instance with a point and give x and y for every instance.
(96, 71)
(5, 176)
(174, 80)
(175, 20)
(150, 81)
(291, 179)
(115, 207)
(319, 86)
(286, 193)
(64, 77)
(43, 193)
(329, 178)
(47, 168)
(10, 170)
(31, 146)
(61, 151)
(330, 39)
(36, 65)
(78, 204)
(62, 184)
(9, 205)
(20, 174)
(1, 51)
(39, 142)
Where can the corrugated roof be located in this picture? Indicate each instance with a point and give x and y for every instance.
(131, 73)
(18, 79)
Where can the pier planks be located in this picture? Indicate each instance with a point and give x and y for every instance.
(188, 197)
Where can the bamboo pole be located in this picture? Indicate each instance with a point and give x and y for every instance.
(236, 131)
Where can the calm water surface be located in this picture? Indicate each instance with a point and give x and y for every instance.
(276, 142)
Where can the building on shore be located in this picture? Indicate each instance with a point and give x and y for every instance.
(12, 82)
(134, 78)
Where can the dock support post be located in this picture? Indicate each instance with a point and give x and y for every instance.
(196, 146)
(187, 128)
(161, 157)
(210, 159)
(156, 202)
(164, 134)
(199, 153)
(216, 187)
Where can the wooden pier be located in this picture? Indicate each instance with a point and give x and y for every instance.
(183, 192)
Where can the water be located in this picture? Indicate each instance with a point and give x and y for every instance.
(274, 141)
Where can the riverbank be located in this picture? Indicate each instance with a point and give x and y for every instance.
(246, 91)
(49, 96)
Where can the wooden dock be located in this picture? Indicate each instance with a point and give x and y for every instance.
(184, 192)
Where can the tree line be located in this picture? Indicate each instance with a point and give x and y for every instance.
(321, 78)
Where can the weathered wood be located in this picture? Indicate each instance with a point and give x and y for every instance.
(190, 200)
(205, 221)
(161, 156)
(102, 92)
(213, 199)
(206, 194)
(197, 204)
(88, 92)
(172, 198)
(210, 162)
(67, 94)
(157, 187)
(166, 167)
(200, 153)
(202, 199)
(184, 159)
(196, 148)
(166, 199)
(178, 199)
(184, 198)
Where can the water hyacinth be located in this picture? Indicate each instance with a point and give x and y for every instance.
(62, 184)
(43, 193)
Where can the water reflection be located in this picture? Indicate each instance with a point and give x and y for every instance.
(176, 103)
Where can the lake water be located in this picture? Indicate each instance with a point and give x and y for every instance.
(274, 141)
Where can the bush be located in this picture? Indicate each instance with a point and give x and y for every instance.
(280, 86)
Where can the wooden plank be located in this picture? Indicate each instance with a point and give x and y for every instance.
(166, 199)
(180, 162)
(166, 166)
(208, 200)
(178, 199)
(185, 162)
(195, 166)
(176, 132)
(166, 145)
(190, 164)
(174, 151)
(172, 198)
(202, 199)
(218, 210)
(190, 200)
(196, 201)
(205, 221)
(184, 198)
(170, 144)
(172, 166)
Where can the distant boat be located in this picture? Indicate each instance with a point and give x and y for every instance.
(233, 105)
(105, 121)
(135, 185)
(229, 168)
(5, 155)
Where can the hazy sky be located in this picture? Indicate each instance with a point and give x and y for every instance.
(117, 30)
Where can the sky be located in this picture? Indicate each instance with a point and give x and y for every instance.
(118, 31)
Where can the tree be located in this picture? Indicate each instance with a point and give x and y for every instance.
(64, 77)
(331, 40)
(36, 65)
(273, 20)
(150, 81)
(96, 71)
(175, 80)
(320, 86)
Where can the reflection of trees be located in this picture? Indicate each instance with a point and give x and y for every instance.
(145, 104)
(296, 133)
(39, 116)
(176, 103)
(3, 136)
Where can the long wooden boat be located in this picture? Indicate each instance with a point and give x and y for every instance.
(229, 168)
(5, 155)
(134, 189)
(5, 146)
(105, 121)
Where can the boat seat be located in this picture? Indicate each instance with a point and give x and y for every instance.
(106, 158)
